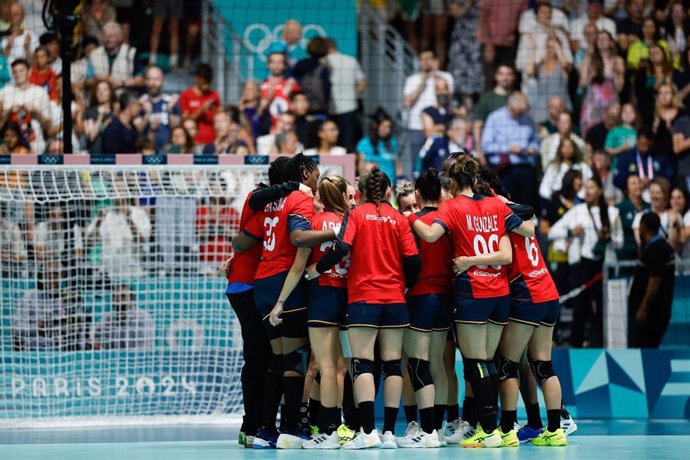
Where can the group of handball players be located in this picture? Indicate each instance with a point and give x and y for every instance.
(336, 290)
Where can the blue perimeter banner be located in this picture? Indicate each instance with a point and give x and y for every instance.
(259, 23)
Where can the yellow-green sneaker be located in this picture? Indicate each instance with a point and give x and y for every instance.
(345, 434)
(551, 439)
(242, 441)
(510, 439)
(314, 431)
(482, 439)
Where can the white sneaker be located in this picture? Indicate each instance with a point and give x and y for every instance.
(249, 443)
(289, 441)
(411, 430)
(442, 438)
(422, 439)
(363, 441)
(463, 431)
(388, 441)
(451, 427)
(568, 425)
(323, 441)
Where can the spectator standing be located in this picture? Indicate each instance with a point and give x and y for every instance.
(306, 124)
(642, 161)
(160, 109)
(675, 32)
(126, 326)
(435, 118)
(51, 44)
(313, 76)
(347, 83)
(121, 134)
(418, 94)
(568, 157)
(457, 138)
(623, 136)
(276, 89)
(510, 143)
(328, 140)
(380, 147)
(200, 103)
(596, 136)
(679, 211)
(115, 62)
(668, 110)
(630, 27)
(628, 208)
(651, 293)
(22, 41)
(681, 78)
(598, 93)
(649, 80)
(193, 13)
(126, 13)
(549, 146)
(173, 11)
(227, 129)
(465, 52)
(498, 22)
(640, 50)
(96, 14)
(595, 15)
(42, 75)
(91, 122)
(290, 45)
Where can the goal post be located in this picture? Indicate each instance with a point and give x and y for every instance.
(110, 308)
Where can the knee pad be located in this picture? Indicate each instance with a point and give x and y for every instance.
(277, 364)
(392, 368)
(542, 370)
(420, 373)
(475, 369)
(298, 360)
(491, 366)
(507, 369)
(361, 366)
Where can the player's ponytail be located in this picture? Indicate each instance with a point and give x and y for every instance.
(333, 194)
(299, 166)
(277, 171)
(376, 186)
(464, 171)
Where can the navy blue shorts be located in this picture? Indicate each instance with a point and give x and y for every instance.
(378, 316)
(327, 305)
(266, 293)
(534, 314)
(469, 310)
(430, 312)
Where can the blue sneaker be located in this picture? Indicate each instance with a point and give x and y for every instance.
(265, 439)
(526, 434)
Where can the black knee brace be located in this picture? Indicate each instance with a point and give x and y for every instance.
(491, 366)
(507, 369)
(277, 364)
(475, 369)
(361, 366)
(392, 368)
(420, 373)
(298, 360)
(542, 370)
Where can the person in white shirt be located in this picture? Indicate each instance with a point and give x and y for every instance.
(328, 140)
(593, 229)
(418, 94)
(595, 14)
(266, 144)
(569, 156)
(528, 19)
(549, 146)
(22, 41)
(126, 326)
(347, 83)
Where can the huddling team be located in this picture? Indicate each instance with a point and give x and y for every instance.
(337, 292)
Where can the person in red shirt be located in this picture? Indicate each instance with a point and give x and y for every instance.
(276, 89)
(533, 314)
(477, 226)
(431, 315)
(280, 293)
(200, 103)
(383, 261)
(42, 75)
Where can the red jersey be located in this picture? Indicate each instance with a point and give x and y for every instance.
(530, 279)
(378, 243)
(273, 226)
(436, 275)
(47, 78)
(337, 275)
(476, 225)
(281, 96)
(190, 101)
(243, 265)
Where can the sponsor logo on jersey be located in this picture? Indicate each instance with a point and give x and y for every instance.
(383, 219)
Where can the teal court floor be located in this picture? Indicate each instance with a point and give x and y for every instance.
(610, 440)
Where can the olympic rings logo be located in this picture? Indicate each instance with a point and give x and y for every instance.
(258, 38)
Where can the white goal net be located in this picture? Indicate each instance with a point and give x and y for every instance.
(110, 305)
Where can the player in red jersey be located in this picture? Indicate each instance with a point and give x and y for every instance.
(384, 260)
(280, 297)
(276, 89)
(431, 314)
(327, 304)
(533, 314)
(477, 226)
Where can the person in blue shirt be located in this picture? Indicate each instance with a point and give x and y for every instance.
(510, 144)
(160, 110)
(289, 44)
(642, 161)
(437, 148)
(380, 147)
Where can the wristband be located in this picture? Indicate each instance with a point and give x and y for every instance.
(412, 218)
